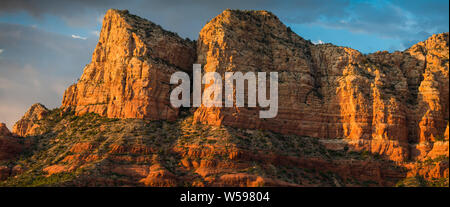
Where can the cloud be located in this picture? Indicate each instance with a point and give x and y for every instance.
(38, 67)
(386, 18)
(1, 51)
(318, 42)
(404, 20)
(79, 37)
(76, 13)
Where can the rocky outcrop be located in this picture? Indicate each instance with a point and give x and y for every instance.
(6, 171)
(10, 147)
(29, 123)
(379, 102)
(4, 131)
(129, 75)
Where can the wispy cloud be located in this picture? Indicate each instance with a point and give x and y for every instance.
(409, 21)
(1, 51)
(318, 42)
(79, 37)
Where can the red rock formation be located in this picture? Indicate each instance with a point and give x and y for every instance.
(158, 176)
(129, 76)
(379, 172)
(29, 123)
(430, 171)
(379, 102)
(10, 147)
(391, 104)
(373, 102)
(4, 131)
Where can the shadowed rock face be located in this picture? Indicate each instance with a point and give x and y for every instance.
(4, 131)
(129, 76)
(9, 146)
(10, 149)
(377, 102)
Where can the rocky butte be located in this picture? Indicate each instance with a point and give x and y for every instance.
(129, 75)
(344, 118)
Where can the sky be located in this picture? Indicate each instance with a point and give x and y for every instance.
(44, 45)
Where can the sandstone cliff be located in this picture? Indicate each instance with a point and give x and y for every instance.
(379, 102)
(129, 75)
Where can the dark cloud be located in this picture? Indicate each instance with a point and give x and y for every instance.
(54, 7)
(388, 18)
(77, 13)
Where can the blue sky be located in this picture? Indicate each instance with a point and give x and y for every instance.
(45, 44)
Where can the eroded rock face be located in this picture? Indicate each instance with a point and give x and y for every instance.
(379, 102)
(29, 124)
(129, 75)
